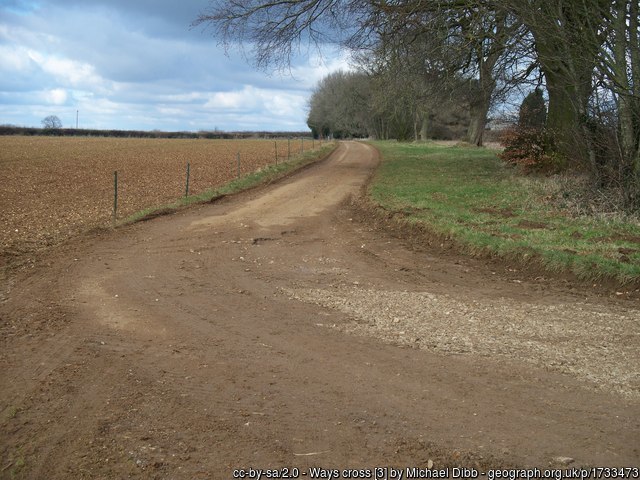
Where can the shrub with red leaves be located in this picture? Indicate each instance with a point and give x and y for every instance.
(531, 149)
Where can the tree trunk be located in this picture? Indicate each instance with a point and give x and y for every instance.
(568, 97)
(424, 127)
(568, 40)
(480, 97)
(479, 105)
(478, 112)
(626, 56)
(634, 56)
(563, 118)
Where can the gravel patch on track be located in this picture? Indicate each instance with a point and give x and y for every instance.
(594, 344)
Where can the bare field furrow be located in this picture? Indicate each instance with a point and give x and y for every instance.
(56, 187)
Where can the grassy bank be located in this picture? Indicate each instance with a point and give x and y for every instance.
(263, 176)
(468, 196)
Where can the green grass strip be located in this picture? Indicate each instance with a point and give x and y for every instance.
(263, 176)
(469, 196)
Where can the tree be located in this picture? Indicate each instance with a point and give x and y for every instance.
(533, 111)
(566, 35)
(493, 41)
(589, 52)
(529, 144)
(586, 51)
(472, 37)
(414, 75)
(339, 106)
(51, 122)
(619, 69)
(476, 42)
(277, 29)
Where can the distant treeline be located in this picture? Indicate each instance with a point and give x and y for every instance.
(82, 132)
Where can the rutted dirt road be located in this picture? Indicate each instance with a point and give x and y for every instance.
(278, 329)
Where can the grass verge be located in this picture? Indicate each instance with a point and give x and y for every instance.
(467, 195)
(260, 177)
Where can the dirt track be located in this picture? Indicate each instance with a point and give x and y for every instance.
(222, 337)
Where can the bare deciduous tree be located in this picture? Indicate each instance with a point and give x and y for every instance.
(584, 49)
(51, 122)
(277, 29)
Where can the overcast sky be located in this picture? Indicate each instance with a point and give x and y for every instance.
(137, 64)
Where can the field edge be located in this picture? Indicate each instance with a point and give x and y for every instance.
(421, 233)
(261, 178)
(11, 265)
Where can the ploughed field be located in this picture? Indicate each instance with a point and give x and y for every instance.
(55, 187)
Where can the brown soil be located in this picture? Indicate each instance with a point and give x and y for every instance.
(529, 224)
(622, 238)
(278, 328)
(504, 212)
(55, 188)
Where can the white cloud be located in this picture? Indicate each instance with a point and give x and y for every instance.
(171, 112)
(244, 99)
(184, 97)
(57, 96)
(140, 71)
(94, 108)
(317, 68)
(15, 58)
(70, 72)
(25, 42)
(250, 97)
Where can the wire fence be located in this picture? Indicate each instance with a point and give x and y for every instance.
(57, 187)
